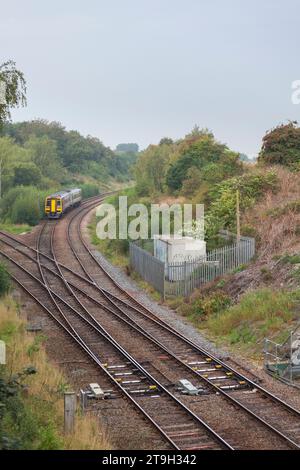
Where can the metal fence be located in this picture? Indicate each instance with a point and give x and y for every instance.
(182, 277)
(283, 360)
(149, 268)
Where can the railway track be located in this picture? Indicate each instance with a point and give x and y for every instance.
(215, 376)
(179, 426)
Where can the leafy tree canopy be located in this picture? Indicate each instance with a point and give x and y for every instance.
(27, 174)
(205, 153)
(127, 148)
(281, 145)
(12, 89)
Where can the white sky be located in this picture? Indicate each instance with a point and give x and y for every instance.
(138, 70)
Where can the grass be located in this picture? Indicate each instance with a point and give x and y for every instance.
(33, 419)
(15, 229)
(113, 250)
(146, 287)
(290, 259)
(260, 313)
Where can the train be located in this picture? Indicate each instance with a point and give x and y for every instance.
(61, 202)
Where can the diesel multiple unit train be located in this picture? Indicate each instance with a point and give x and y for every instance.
(58, 203)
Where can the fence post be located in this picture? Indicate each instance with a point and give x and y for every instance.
(83, 400)
(69, 411)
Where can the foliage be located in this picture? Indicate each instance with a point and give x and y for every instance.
(290, 259)
(222, 210)
(15, 229)
(44, 154)
(31, 394)
(127, 148)
(23, 205)
(259, 313)
(209, 156)
(89, 190)
(151, 168)
(14, 89)
(188, 165)
(281, 145)
(199, 307)
(27, 174)
(4, 280)
(59, 153)
(244, 158)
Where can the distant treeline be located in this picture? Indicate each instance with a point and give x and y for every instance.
(39, 156)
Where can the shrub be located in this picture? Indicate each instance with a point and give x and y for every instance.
(25, 212)
(291, 259)
(258, 313)
(281, 146)
(200, 307)
(4, 280)
(222, 211)
(89, 190)
(23, 205)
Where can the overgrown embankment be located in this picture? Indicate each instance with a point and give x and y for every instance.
(255, 300)
(31, 393)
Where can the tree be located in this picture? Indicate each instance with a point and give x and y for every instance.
(200, 152)
(127, 148)
(166, 141)
(151, 168)
(12, 89)
(281, 145)
(45, 156)
(244, 158)
(192, 182)
(11, 155)
(27, 174)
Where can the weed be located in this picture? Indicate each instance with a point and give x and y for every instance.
(290, 259)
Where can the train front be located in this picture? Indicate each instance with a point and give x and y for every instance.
(53, 207)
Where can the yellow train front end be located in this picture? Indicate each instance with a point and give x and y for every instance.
(53, 207)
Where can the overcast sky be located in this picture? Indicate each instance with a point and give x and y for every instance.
(138, 70)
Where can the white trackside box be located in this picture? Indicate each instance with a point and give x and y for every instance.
(96, 390)
(171, 250)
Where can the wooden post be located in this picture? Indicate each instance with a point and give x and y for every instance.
(69, 411)
(83, 400)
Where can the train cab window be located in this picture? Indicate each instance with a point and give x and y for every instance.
(58, 203)
(48, 203)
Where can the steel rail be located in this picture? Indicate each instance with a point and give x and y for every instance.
(172, 330)
(106, 335)
(163, 324)
(150, 337)
(159, 322)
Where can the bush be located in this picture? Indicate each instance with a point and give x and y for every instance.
(4, 280)
(89, 190)
(25, 211)
(201, 307)
(23, 205)
(222, 211)
(259, 313)
(281, 146)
